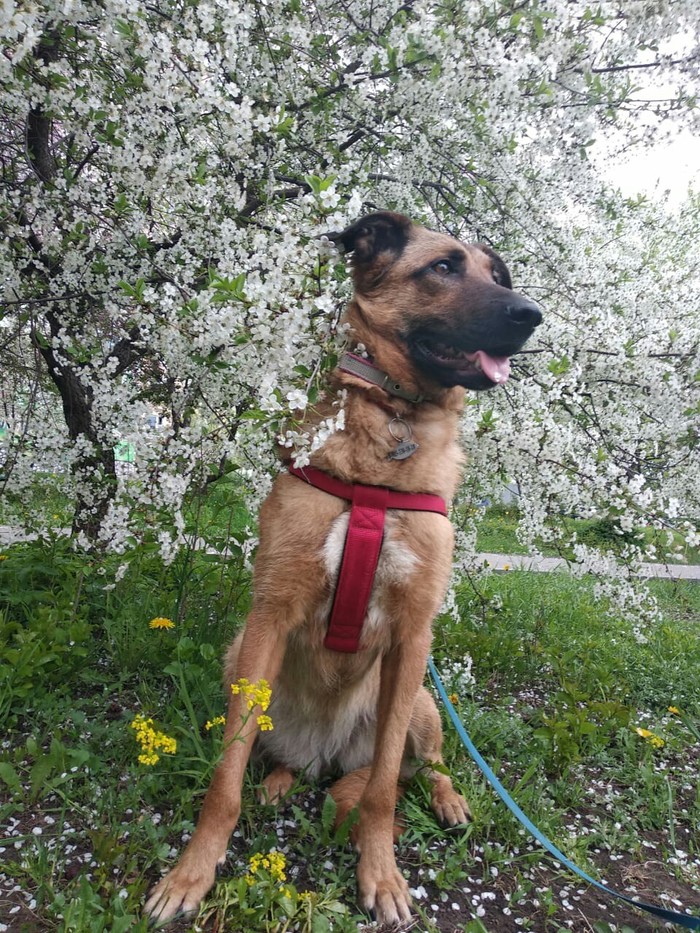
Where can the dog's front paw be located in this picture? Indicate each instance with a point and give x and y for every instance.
(384, 893)
(179, 892)
(276, 786)
(449, 807)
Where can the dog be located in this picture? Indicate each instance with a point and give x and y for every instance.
(434, 317)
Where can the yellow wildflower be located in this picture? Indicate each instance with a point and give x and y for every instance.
(674, 710)
(3, 556)
(149, 758)
(651, 738)
(453, 698)
(216, 721)
(276, 866)
(258, 694)
(159, 622)
(151, 741)
(273, 862)
(265, 724)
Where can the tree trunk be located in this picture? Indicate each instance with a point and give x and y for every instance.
(94, 471)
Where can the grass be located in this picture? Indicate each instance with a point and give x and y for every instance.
(553, 699)
(497, 532)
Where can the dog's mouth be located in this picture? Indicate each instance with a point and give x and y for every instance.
(450, 365)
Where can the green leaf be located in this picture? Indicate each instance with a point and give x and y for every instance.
(41, 769)
(320, 924)
(9, 776)
(226, 289)
(124, 28)
(318, 184)
(134, 291)
(328, 814)
(559, 366)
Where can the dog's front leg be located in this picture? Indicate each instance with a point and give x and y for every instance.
(383, 889)
(182, 889)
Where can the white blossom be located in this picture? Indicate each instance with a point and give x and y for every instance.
(168, 186)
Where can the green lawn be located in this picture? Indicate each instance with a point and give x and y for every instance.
(497, 533)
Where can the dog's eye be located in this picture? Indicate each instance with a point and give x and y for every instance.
(443, 266)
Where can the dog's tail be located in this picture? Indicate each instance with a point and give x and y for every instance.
(347, 792)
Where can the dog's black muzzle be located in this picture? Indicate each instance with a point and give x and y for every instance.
(523, 313)
(473, 349)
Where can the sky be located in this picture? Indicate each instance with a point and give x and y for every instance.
(670, 166)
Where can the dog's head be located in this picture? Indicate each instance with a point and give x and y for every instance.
(451, 305)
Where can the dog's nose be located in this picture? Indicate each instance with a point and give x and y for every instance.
(524, 312)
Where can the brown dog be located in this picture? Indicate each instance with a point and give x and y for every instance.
(437, 317)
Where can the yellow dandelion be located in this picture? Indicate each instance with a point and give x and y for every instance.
(654, 740)
(453, 698)
(160, 622)
(674, 710)
(216, 721)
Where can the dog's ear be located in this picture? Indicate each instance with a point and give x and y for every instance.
(500, 269)
(369, 236)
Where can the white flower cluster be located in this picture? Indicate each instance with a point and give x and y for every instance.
(168, 294)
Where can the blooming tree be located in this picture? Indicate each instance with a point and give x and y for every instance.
(169, 170)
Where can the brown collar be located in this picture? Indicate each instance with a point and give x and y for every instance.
(364, 369)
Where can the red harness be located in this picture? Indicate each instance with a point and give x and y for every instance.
(362, 546)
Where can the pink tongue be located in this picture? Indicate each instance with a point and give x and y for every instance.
(497, 368)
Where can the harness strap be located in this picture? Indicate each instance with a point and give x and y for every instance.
(360, 557)
(407, 501)
(363, 544)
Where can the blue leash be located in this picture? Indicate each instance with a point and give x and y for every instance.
(690, 923)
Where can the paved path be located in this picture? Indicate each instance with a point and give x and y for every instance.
(501, 563)
(505, 562)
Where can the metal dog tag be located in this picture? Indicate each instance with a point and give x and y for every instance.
(401, 431)
(404, 450)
